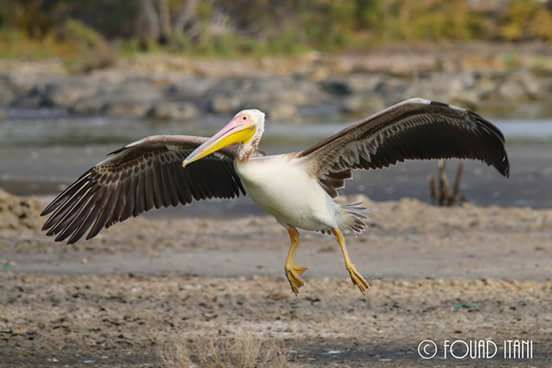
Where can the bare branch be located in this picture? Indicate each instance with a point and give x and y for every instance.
(186, 16)
(165, 21)
(151, 19)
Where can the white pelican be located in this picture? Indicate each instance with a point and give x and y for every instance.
(297, 188)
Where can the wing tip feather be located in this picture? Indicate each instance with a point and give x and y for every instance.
(70, 219)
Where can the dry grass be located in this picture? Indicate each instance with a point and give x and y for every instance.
(175, 355)
(242, 351)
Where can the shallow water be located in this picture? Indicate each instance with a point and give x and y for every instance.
(39, 153)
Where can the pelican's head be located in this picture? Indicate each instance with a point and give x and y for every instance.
(245, 128)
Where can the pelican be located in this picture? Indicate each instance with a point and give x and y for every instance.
(299, 189)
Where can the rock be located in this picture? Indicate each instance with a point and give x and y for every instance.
(137, 90)
(66, 92)
(134, 98)
(485, 87)
(7, 91)
(301, 96)
(223, 104)
(457, 85)
(353, 105)
(463, 90)
(33, 99)
(392, 90)
(264, 92)
(545, 88)
(173, 110)
(512, 89)
(336, 86)
(364, 83)
(358, 83)
(359, 104)
(468, 99)
(282, 111)
(91, 106)
(190, 88)
(128, 109)
(530, 84)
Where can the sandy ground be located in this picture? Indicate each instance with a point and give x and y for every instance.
(436, 273)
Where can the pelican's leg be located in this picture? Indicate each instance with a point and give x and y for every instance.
(293, 271)
(357, 278)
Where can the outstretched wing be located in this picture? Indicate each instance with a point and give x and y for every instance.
(136, 178)
(412, 129)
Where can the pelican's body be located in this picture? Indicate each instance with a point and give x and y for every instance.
(282, 186)
(298, 189)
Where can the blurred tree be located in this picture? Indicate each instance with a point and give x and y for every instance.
(369, 14)
(220, 26)
(166, 21)
(518, 19)
(526, 20)
(91, 50)
(542, 25)
(34, 17)
(152, 30)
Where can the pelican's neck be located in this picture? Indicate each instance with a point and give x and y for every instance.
(247, 149)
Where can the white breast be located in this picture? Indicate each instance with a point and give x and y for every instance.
(283, 188)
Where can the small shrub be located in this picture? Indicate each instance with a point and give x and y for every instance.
(92, 50)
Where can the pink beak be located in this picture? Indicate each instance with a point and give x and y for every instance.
(236, 131)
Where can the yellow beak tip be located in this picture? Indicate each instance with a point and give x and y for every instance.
(185, 163)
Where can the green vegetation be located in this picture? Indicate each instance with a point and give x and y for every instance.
(99, 29)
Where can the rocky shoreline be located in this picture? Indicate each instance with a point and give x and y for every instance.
(505, 82)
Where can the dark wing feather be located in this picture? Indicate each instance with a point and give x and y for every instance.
(142, 175)
(412, 129)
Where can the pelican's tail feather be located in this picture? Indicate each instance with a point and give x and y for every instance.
(353, 217)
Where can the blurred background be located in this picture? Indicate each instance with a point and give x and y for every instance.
(79, 78)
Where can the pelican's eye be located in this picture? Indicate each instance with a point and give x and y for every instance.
(244, 117)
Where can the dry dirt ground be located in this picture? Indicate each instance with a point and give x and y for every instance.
(436, 273)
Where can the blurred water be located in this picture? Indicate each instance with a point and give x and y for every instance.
(64, 130)
(40, 154)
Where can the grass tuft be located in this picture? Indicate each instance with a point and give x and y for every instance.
(175, 355)
(244, 351)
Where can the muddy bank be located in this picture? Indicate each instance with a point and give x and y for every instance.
(437, 273)
(17, 213)
(500, 80)
(389, 220)
(123, 320)
(407, 238)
